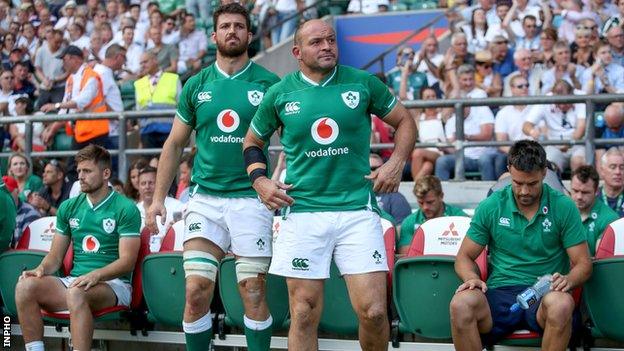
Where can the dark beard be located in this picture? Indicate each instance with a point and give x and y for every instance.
(232, 52)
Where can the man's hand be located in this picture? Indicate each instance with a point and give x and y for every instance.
(37, 273)
(88, 280)
(571, 69)
(472, 284)
(48, 108)
(560, 282)
(272, 193)
(387, 177)
(156, 209)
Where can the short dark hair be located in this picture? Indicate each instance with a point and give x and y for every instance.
(147, 169)
(114, 50)
(529, 18)
(96, 154)
(232, 8)
(527, 156)
(586, 173)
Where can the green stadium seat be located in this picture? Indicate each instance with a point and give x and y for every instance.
(163, 279)
(127, 95)
(425, 280)
(62, 141)
(603, 290)
(30, 251)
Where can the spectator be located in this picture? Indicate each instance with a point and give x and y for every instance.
(133, 53)
(22, 85)
(27, 41)
(545, 55)
(95, 46)
(8, 213)
(156, 90)
(381, 133)
(49, 70)
(200, 9)
(131, 188)
(563, 69)
(430, 130)
(612, 172)
(514, 21)
(114, 59)
(8, 43)
(596, 216)
(147, 184)
(106, 33)
(590, 24)
(509, 122)
(614, 123)
(112, 13)
(285, 9)
(68, 11)
(7, 95)
(78, 38)
(193, 43)
(526, 69)
(564, 122)
(581, 49)
(428, 60)
(25, 213)
(404, 80)
(17, 130)
(5, 17)
(117, 185)
(475, 31)
(603, 76)
(572, 13)
(366, 7)
(84, 93)
(485, 78)
(19, 169)
(603, 9)
(502, 56)
(428, 192)
(185, 170)
(529, 38)
(55, 191)
(487, 6)
(166, 55)
(393, 203)
(495, 27)
(616, 19)
(615, 37)
(170, 34)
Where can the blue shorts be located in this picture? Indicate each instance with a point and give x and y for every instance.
(504, 321)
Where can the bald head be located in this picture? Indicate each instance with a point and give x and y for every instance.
(614, 115)
(309, 27)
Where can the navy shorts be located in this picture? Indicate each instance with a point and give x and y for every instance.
(504, 321)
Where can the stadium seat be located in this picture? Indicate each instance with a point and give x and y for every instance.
(338, 315)
(30, 251)
(276, 293)
(127, 95)
(425, 280)
(603, 290)
(116, 312)
(163, 279)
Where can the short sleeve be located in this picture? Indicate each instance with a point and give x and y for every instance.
(266, 121)
(382, 101)
(449, 128)
(579, 110)
(62, 219)
(129, 221)
(499, 122)
(407, 230)
(536, 114)
(479, 230)
(485, 115)
(572, 232)
(186, 103)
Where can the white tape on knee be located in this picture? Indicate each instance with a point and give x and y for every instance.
(250, 267)
(200, 263)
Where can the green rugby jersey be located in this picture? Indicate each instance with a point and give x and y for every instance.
(219, 108)
(95, 230)
(326, 136)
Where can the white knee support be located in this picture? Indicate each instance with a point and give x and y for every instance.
(250, 267)
(200, 263)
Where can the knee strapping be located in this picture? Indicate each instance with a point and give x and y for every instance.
(199, 326)
(200, 263)
(251, 267)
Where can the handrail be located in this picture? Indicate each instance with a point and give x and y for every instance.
(457, 104)
(381, 56)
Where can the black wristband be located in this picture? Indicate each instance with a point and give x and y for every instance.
(257, 173)
(254, 154)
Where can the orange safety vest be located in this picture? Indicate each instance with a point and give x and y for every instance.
(85, 130)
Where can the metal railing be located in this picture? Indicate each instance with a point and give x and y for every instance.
(460, 144)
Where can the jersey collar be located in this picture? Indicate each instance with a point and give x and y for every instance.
(95, 208)
(323, 82)
(233, 76)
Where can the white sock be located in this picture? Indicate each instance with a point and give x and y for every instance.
(256, 325)
(35, 346)
(200, 325)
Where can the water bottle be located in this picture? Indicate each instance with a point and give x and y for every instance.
(532, 294)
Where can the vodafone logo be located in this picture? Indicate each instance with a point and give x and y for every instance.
(90, 244)
(324, 131)
(228, 120)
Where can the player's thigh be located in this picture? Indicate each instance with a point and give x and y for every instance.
(359, 247)
(97, 297)
(204, 220)
(367, 291)
(48, 291)
(249, 223)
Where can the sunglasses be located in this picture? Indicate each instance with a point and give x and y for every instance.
(522, 86)
(484, 64)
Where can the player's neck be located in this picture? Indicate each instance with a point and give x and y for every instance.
(586, 211)
(99, 195)
(231, 65)
(612, 191)
(316, 75)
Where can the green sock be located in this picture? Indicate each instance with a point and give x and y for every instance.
(198, 341)
(258, 334)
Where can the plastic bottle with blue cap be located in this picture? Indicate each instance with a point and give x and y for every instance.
(532, 294)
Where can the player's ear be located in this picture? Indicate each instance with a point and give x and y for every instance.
(296, 51)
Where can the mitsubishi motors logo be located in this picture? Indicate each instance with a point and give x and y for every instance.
(324, 131)
(228, 120)
(90, 244)
(451, 230)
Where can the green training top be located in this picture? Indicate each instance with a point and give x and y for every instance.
(96, 229)
(413, 221)
(599, 218)
(522, 250)
(326, 130)
(219, 108)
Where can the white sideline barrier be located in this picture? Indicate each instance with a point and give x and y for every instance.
(277, 342)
